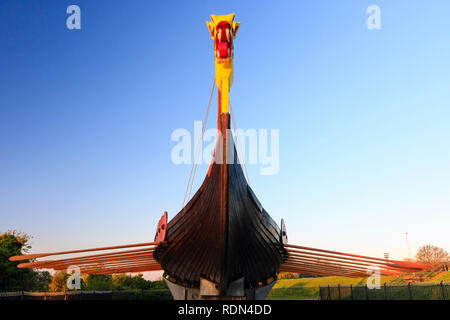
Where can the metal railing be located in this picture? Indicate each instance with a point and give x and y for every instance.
(151, 294)
(415, 291)
(411, 291)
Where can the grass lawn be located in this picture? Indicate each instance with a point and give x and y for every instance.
(444, 277)
(308, 288)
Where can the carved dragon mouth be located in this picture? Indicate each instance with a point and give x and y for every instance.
(224, 41)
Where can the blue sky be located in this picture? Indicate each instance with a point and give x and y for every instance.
(86, 117)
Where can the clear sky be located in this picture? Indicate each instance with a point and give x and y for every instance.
(86, 117)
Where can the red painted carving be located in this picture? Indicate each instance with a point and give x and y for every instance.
(162, 227)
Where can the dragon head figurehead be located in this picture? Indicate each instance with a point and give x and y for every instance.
(223, 31)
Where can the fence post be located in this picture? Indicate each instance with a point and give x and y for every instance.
(385, 293)
(351, 291)
(329, 293)
(443, 290)
(339, 291)
(367, 291)
(410, 291)
(21, 296)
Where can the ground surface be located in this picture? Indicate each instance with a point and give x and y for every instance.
(308, 288)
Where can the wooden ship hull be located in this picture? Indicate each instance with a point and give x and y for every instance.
(223, 235)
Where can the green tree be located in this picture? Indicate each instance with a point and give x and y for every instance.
(158, 284)
(42, 281)
(97, 282)
(59, 281)
(14, 243)
(127, 282)
(138, 282)
(122, 281)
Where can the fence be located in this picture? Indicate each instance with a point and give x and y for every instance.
(153, 294)
(438, 291)
(416, 291)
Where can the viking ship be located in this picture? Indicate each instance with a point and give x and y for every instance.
(222, 244)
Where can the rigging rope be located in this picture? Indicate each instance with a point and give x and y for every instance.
(194, 165)
(240, 152)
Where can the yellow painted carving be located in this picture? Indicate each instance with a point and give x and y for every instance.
(223, 65)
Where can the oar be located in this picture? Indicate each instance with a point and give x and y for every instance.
(41, 255)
